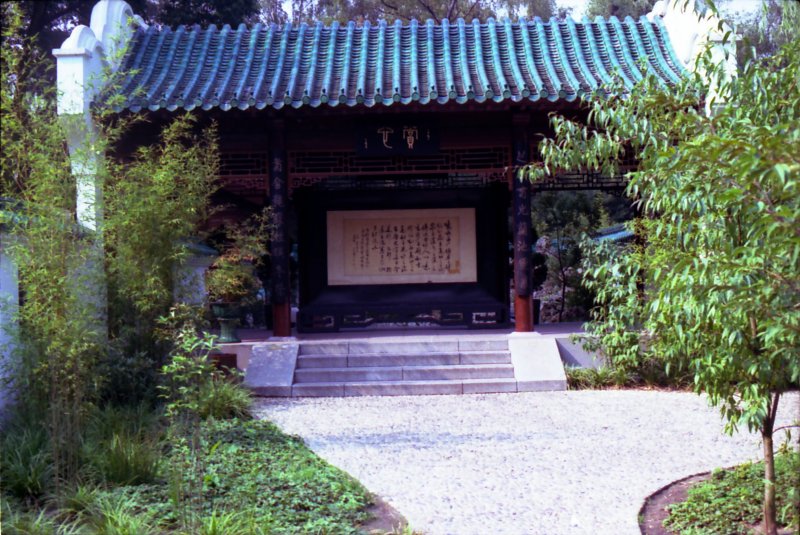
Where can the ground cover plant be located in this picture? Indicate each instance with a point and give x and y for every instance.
(255, 480)
(728, 502)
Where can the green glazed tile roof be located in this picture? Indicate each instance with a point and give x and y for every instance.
(383, 64)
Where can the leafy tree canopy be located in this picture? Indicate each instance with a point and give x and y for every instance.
(619, 8)
(390, 10)
(206, 12)
(715, 287)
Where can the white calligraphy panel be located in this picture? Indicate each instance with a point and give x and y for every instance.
(401, 246)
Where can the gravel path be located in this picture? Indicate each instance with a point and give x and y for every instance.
(549, 463)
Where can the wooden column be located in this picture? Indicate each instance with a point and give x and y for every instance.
(279, 244)
(522, 229)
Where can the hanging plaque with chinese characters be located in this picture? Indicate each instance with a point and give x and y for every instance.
(401, 246)
(390, 138)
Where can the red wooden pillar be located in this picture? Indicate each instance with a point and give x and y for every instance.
(279, 243)
(521, 192)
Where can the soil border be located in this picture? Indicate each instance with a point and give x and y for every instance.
(654, 509)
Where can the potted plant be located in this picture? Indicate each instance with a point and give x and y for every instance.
(231, 281)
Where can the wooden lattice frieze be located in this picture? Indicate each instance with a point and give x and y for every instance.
(303, 164)
(245, 185)
(243, 164)
(401, 182)
(244, 173)
(583, 180)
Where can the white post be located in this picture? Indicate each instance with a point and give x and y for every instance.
(84, 58)
(80, 65)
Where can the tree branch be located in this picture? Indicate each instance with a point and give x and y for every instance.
(429, 9)
(389, 6)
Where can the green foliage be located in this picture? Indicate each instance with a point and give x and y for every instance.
(207, 12)
(59, 342)
(186, 374)
(114, 514)
(563, 219)
(714, 286)
(647, 373)
(233, 276)
(763, 31)
(153, 204)
(730, 501)
(254, 479)
(719, 269)
(596, 378)
(274, 478)
(231, 281)
(24, 523)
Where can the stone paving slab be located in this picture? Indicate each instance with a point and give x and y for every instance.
(544, 463)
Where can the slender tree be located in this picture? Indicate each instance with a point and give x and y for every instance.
(715, 287)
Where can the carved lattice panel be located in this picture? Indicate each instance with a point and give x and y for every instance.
(244, 173)
(308, 164)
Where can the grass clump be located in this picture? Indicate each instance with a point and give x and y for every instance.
(730, 501)
(645, 374)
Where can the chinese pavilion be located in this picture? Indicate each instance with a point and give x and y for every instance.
(386, 151)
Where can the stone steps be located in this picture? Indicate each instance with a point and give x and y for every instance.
(402, 366)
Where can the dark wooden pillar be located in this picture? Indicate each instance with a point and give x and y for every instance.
(522, 229)
(279, 243)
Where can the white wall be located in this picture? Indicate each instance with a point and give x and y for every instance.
(9, 299)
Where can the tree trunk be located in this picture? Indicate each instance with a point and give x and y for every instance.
(770, 522)
(770, 527)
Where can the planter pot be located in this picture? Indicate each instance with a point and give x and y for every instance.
(225, 310)
(227, 315)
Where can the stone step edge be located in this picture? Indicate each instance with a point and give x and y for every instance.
(429, 367)
(426, 354)
(501, 356)
(400, 347)
(454, 386)
(373, 374)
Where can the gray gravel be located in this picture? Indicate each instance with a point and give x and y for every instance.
(535, 463)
